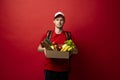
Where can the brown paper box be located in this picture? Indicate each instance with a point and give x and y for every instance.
(56, 54)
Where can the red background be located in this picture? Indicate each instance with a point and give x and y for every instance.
(93, 23)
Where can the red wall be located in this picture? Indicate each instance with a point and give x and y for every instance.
(93, 23)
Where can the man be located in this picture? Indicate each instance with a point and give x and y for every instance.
(56, 69)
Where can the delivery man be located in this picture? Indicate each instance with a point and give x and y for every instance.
(56, 69)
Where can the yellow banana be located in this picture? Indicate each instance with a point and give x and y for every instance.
(66, 48)
(63, 47)
(69, 49)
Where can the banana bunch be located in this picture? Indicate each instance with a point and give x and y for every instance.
(68, 46)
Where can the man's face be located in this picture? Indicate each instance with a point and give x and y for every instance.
(59, 22)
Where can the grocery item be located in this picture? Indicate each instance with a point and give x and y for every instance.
(47, 44)
(68, 46)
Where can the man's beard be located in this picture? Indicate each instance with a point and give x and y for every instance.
(59, 27)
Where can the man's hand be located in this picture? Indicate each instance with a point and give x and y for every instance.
(41, 49)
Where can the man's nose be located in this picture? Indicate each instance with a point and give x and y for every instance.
(59, 21)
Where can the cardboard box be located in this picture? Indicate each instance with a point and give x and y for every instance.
(56, 54)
